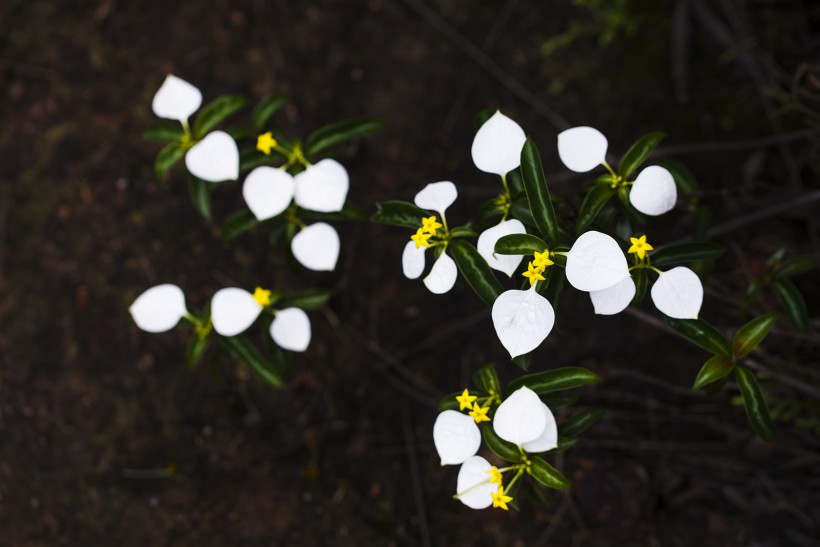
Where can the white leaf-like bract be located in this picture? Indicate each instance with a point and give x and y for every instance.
(159, 308)
(582, 148)
(520, 418)
(176, 99)
(654, 192)
(291, 329)
(615, 299)
(412, 260)
(317, 247)
(522, 320)
(233, 310)
(473, 486)
(548, 438)
(437, 196)
(456, 437)
(486, 246)
(267, 191)
(497, 145)
(678, 293)
(215, 158)
(442, 275)
(322, 187)
(595, 262)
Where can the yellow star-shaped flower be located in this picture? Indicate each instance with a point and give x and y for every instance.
(430, 225)
(495, 476)
(533, 273)
(465, 400)
(421, 238)
(261, 296)
(265, 142)
(639, 246)
(500, 499)
(542, 260)
(479, 414)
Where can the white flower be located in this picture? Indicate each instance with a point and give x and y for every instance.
(595, 262)
(582, 149)
(233, 310)
(473, 487)
(268, 191)
(497, 145)
(456, 437)
(291, 329)
(176, 99)
(521, 418)
(654, 192)
(522, 320)
(548, 438)
(614, 299)
(316, 247)
(159, 308)
(488, 239)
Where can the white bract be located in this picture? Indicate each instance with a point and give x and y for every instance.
(521, 418)
(615, 299)
(159, 308)
(316, 247)
(268, 191)
(437, 196)
(322, 187)
(497, 145)
(582, 149)
(233, 310)
(548, 438)
(442, 275)
(654, 192)
(473, 487)
(456, 437)
(176, 99)
(522, 320)
(291, 329)
(595, 262)
(678, 293)
(488, 239)
(412, 260)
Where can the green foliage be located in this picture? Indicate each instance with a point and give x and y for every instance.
(687, 252)
(520, 244)
(716, 368)
(486, 378)
(215, 112)
(555, 380)
(548, 475)
(266, 108)
(702, 334)
(476, 271)
(341, 132)
(166, 159)
(749, 336)
(399, 213)
(755, 404)
(638, 153)
(200, 193)
(538, 195)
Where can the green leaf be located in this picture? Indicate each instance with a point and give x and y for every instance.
(548, 475)
(515, 182)
(638, 153)
(200, 192)
(519, 244)
(196, 348)
(339, 132)
(793, 302)
(164, 131)
(597, 196)
(523, 361)
(520, 209)
(482, 117)
(795, 265)
(579, 422)
(717, 367)
(399, 213)
(486, 378)
(535, 184)
(641, 279)
(216, 111)
(266, 108)
(166, 159)
(238, 223)
(554, 400)
(749, 336)
(682, 175)
(462, 231)
(347, 213)
(476, 271)
(564, 444)
(702, 334)
(246, 353)
(310, 299)
(501, 448)
(687, 252)
(755, 403)
(555, 380)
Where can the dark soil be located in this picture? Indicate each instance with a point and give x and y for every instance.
(90, 407)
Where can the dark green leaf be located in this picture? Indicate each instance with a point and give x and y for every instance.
(216, 111)
(200, 192)
(238, 223)
(247, 354)
(554, 380)
(482, 117)
(523, 361)
(486, 378)
(682, 175)
(339, 132)
(793, 302)
(749, 336)
(687, 252)
(164, 131)
(490, 209)
(166, 159)
(196, 348)
(475, 270)
(519, 244)
(555, 400)
(702, 334)
(501, 448)
(348, 213)
(463, 231)
(717, 367)
(251, 159)
(535, 183)
(310, 299)
(641, 279)
(520, 209)
(266, 108)
(564, 444)
(579, 422)
(515, 182)
(795, 265)
(755, 403)
(638, 153)
(597, 196)
(399, 213)
(548, 475)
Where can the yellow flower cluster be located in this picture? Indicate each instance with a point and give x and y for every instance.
(537, 265)
(428, 229)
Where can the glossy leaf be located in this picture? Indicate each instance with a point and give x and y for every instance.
(200, 193)
(463, 231)
(548, 475)
(793, 302)
(755, 403)
(519, 244)
(163, 131)
(638, 153)
(166, 159)
(266, 108)
(687, 252)
(216, 111)
(520, 209)
(795, 265)
(716, 368)
(486, 378)
(595, 200)
(399, 213)
(702, 334)
(555, 380)
(535, 184)
(310, 299)
(347, 213)
(237, 224)
(196, 348)
(523, 361)
(683, 176)
(749, 336)
(269, 371)
(476, 271)
(641, 279)
(339, 132)
(579, 422)
(501, 448)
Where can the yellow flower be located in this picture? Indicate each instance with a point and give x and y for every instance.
(495, 476)
(533, 273)
(479, 414)
(261, 296)
(265, 142)
(500, 499)
(542, 260)
(465, 400)
(430, 225)
(421, 238)
(639, 246)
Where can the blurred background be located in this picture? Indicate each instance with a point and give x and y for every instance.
(106, 438)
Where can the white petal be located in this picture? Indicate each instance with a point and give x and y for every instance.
(615, 299)
(595, 262)
(412, 260)
(654, 192)
(322, 187)
(473, 487)
(582, 148)
(486, 246)
(437, 196)
(291, 329)
(522, 320)
(548, 438)
(267, 191)
(456, 437)
(215, 158)
(159, 308)
(442, 275)
(176, 99)
(678, 293)
(233, 310)
(520, 418)
(497, 145)
(316, 247)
